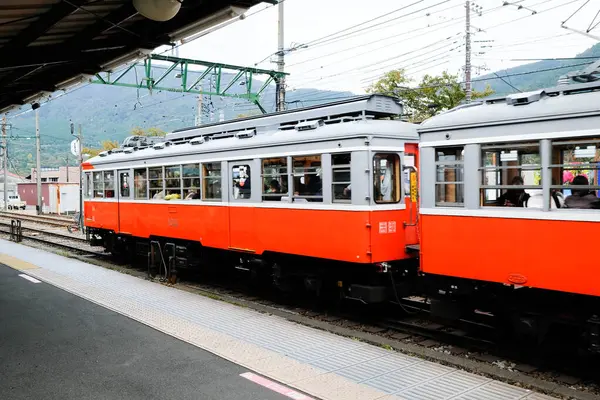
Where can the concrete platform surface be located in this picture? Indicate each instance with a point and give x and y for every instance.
(55, 345)
(318, 363)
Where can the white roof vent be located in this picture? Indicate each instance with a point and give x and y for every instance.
(245, 134)
(518, 99)
(198, 140)
(161, 145)
(103, 153)
(309, 125)
(129, 150)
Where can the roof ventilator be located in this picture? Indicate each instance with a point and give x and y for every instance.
(129, 150)
(198, 140)
(518, 99)
(161, 145)
(309, 125)
(103, 153)
(245, 134)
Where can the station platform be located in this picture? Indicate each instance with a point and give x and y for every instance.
(317, 364)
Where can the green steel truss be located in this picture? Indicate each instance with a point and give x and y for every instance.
(243, 76)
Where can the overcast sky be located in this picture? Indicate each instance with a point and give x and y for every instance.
(423, 36)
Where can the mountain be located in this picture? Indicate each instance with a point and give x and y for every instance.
(523, 79)
(111, 112)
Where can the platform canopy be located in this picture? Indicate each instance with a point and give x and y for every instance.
(50, 45)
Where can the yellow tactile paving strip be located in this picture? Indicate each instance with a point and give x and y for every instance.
(16, 263)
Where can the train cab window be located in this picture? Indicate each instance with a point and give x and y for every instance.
(307, 182)
(98, 183)
(340, 184)
(140, 184)
(88, 185)
(241, 184)
(386, 178)
(511, 175)
(575, 173)
(109, 184)
(173, 182)
(274, 178)
(211, 181)
(191, 181)
(156, 183)
(449, 185)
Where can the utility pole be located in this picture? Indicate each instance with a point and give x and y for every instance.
(38, 158)
(5, 161)
(80, 161)
(280, 87)
(67, 168)
(468, 53)
(199, 111)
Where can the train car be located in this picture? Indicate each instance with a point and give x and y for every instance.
(320, 193)
(509, 210)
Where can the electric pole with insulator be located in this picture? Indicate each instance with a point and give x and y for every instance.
(280, 86)
(468, 53)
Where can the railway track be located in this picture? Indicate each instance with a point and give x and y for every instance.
(413, 328)
(43, 219)
(45, 232)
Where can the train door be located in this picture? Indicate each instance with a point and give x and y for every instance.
(244, 189)
(411, 193)
(123, 196)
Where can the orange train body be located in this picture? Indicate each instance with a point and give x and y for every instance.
(351, 236)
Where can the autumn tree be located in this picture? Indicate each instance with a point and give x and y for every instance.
(431, 96)
(137, 131)
(105, 146)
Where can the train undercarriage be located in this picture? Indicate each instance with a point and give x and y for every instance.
(525, 314)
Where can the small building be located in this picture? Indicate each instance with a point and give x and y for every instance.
(65, 174)
(57, 198)
(11, 185)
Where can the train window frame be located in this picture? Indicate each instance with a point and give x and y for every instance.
(144, 181)
(396, 187)
(282, 178)
(176, 169)
(190, 178)
(236, 191)
(89, 189)
(513, 152)
(301, 172)
(159, 186)
(109, 184)
(341, 168)
(584, 147)
(122, 188)
(206, 176)
(98, 185)
(458, 165)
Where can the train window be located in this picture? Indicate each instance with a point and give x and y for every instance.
(386, 178)
(340, 184)
(88, 185)
(575, 170)
(173, 182)
(307, 182)
(124, 184)
(241, 181)
(98, 185)
(274, 178)
(109, 184)
(156, 183)
(449, 185)
(211, 180)
(140, 183)
(191, 181)
(505, 166)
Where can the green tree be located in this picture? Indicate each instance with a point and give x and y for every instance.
(432, 95)
(105, 145)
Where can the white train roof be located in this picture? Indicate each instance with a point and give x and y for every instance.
(267, 140)
(567, 101)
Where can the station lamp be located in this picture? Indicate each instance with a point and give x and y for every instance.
(158, 10)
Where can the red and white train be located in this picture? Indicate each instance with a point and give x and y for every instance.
(500, 217)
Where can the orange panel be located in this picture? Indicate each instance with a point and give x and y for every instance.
(388, 235)
(242, 228)
(532, 253)
(102, 214)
